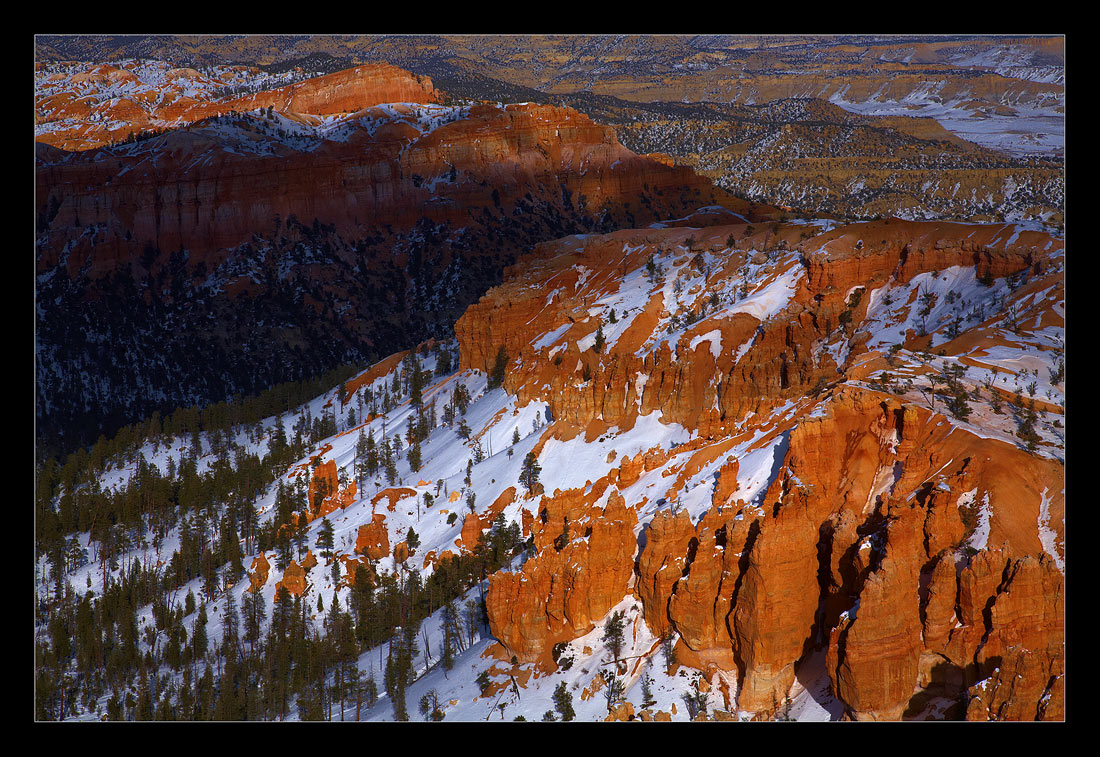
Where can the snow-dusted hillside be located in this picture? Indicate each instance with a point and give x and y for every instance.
(672, 291)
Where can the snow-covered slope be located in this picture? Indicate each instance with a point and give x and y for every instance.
(674, 292)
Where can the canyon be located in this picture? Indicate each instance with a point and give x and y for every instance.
(340, 219)
(647, 411)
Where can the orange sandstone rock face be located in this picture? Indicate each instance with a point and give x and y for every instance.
(877, 648)
(358, 186)
(433, 560)
(157, 104)
(294, 579)
(856, 546)
(257, 575)
(392, 497)
(560, 594)
(372, 374)
(351, 567)
(325, 494)
(776, 606)
(859, 543)
(373, 539)
(205, 198)
(621, 713)
(702, 600)
(1020, 662)
(661, 565)
(309, 561)
(476, 523)
(323, 484)
(546, 292)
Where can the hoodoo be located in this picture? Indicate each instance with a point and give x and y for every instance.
(446, 403)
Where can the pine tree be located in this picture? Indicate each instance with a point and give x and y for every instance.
(399, 668)
(370, 454)
(613, 635)
(390, 464)
(613, 691)
(198, 635)
(667, 648)
(647, 691)
(563, 702)
(958, 405)
(500, 366)
(325, 538)
(443, 362)
(231, 551)
(529, 474)
(1026, 430)
(254, 615)
(452, 633)
(416, 386)
(429, 706)
(301, 533)
(230, 626)
(695, 699)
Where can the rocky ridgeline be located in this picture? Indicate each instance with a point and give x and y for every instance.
(812, 155)
(987, 70)
(209, 195)
(866, 544)
(276, 210)
(84, 107)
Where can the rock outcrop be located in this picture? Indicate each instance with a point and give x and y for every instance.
(561, 592)
(876, 542)
(373, 539)
(317, 223)
(257, 574)
(84, 111)
(294, 578)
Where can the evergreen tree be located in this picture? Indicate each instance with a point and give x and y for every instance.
(500, 366)
(529, 474)
(416, 385)
(198, 635)
(1026, 430)
(695, 699)
(429, 706)
(370, 454)
(613, 691)
(399, 668)
(647, 690)
(325, 538)
(667, 648)
(254, 615)
(613, 635)
(452, 634)
(443, 362)
(230, 627)
(563, 702)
